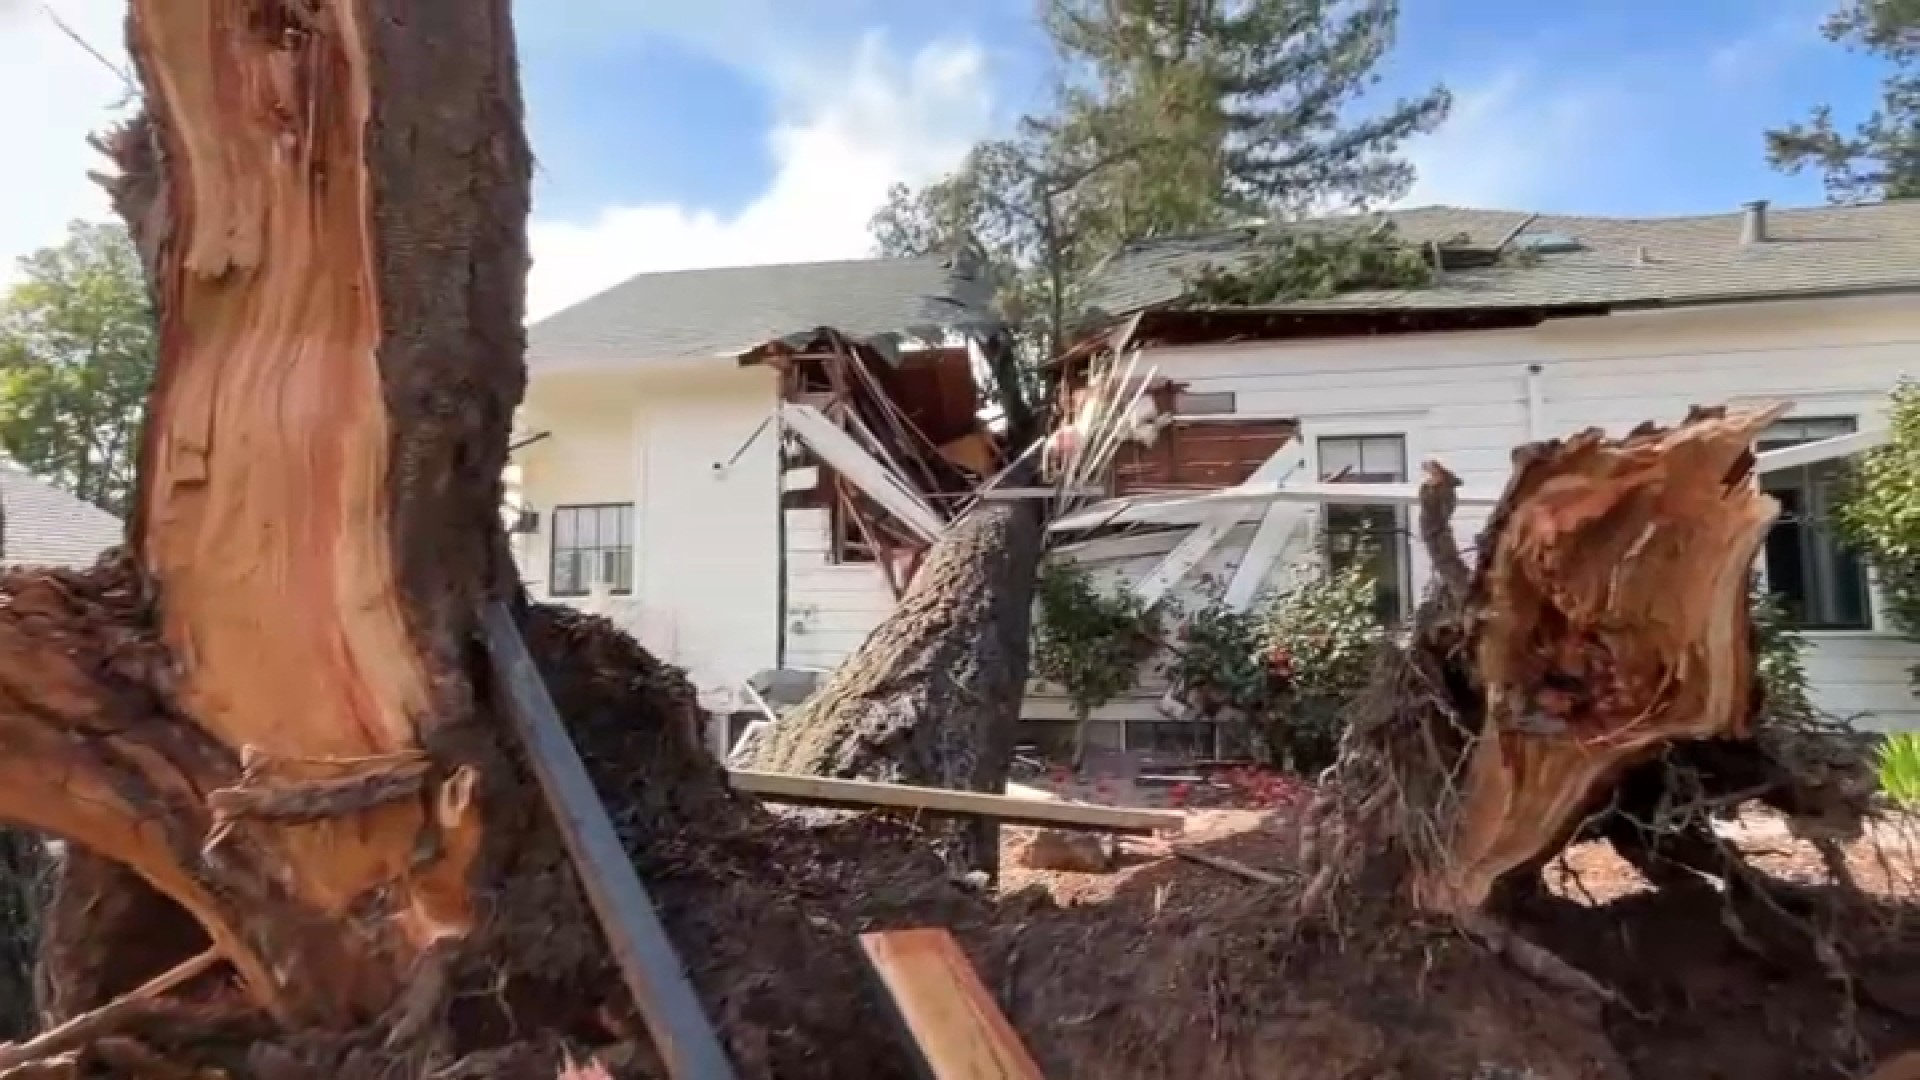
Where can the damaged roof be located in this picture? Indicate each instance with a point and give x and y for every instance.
(700, 314)
(48, 527)
(1622, 262)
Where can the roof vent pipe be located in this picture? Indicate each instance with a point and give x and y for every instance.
(1753, 223)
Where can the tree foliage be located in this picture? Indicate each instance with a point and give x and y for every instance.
(1305, 264)
(1881, 514)
(76, 358)
(1169, 118)
(1088, 641)
(1880, 156)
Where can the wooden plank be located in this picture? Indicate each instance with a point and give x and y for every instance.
(866, 794)
(1813, 453)
(1281, 523)
(951, 1020)
(862, 469)
(1172, 508)
(685, 1039)
(1154, 586)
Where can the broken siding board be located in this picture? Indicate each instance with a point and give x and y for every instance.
(1151, 589)
(865, 794)
(1163, 509)
(948, 1016)
(1813, 453)
(861, 469)
(1278, 527)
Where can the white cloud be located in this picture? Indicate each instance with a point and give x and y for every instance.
(849, 129)
(57, 93)
(1759, 53)
(1508, 143)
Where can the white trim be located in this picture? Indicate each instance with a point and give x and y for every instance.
(1280, 467)
(1820, 450)
(1281, 523)
(852, 461)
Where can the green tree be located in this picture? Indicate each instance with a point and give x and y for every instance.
(1881, 514)
(76, 358)
(1880, 157)
(1171, 117)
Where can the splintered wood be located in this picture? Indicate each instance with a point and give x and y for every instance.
(1612, 619)
(952, 1021)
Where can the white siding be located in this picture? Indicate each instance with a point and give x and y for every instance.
(831, 607)
(706, 560)
(1462, 399)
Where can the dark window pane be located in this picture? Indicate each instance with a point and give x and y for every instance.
(1819, 582)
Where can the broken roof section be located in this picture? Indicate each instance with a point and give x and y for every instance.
(724, 313)
(1752, 254)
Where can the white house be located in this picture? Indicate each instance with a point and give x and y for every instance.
(1596, 322)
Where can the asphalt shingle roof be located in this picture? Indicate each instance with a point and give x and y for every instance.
(1621, 261)
(702, 314)
(48, 527)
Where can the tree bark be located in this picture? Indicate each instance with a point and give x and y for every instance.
(933, 696)
(265, 709)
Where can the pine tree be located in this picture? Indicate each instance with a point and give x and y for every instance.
(1881, 158)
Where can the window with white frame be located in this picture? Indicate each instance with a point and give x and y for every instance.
(1376, 535)
(592, 545)
(1820, 584)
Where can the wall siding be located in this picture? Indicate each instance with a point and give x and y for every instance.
(1462, 399)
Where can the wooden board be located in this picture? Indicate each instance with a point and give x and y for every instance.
(954, 1024)
(687, 1042)
(866, 794)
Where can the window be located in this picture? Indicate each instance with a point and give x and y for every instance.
(1208, 403)
(1820, 584)
(1372, 535)
(592, 545)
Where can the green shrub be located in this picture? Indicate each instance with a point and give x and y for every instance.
(1881, 514)
(1899, 769)
(1088, 641)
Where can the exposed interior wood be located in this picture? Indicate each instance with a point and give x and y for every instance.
(959, 1031)
(1614, 621)
(867, 794)
(1194, 455)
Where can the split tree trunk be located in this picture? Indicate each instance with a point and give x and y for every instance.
(265, 710)
(1607, 620)
(933, 696)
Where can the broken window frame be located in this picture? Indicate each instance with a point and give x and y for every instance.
(579, 583)
(1344, 527)
(1821, 585)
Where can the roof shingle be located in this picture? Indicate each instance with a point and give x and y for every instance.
(48, 527)
(701, 314)
(1622, 262)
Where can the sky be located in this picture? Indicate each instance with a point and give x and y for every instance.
(672, 134)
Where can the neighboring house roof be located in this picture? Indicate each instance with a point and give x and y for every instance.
(1620, 262)
(48, 527)
(701, 314)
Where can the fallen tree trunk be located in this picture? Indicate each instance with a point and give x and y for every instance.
(932, 697)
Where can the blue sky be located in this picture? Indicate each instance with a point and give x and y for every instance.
(675, 133)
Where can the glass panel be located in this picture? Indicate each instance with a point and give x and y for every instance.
(1819, 582)
(1384, 457)
(1337, 456)
(563, 526)
(1793, 432)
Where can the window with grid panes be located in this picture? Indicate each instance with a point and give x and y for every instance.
(1373, 535)
(592, 545)
(1820, 583)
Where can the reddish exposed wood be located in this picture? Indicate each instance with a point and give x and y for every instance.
(1612, 620)
(1199, 455)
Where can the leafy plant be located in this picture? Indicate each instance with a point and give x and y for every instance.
(1900, 769)
(1089, 641)
(1221, 662)
(1323, 634)
(1881, 513)
(1306, 264)
(1778, 660)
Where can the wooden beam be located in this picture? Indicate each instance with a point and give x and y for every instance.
(1281, 523)
(861, 469)
(949, 1018)
(1813, 453)
(867, 795)
(682, 1035)
(1176, 508)
(1201, 541)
